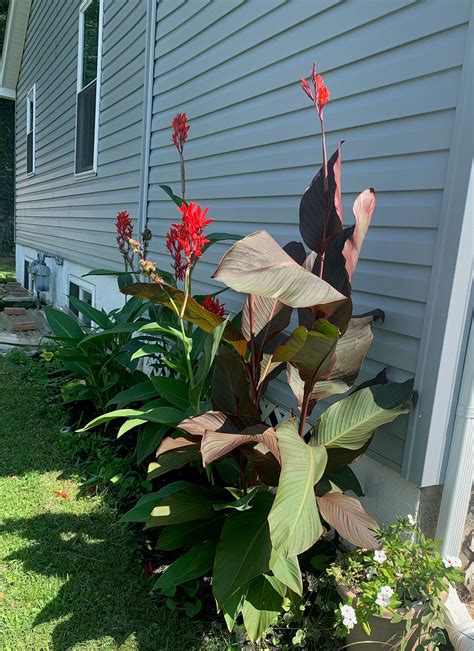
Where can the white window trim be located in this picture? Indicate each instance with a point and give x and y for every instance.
(80, 50)
(83, 286)
(31, 94)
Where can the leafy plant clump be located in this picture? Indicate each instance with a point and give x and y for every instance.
(406, 572)
(267, 494)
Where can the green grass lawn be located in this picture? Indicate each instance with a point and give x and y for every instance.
(7, 268)
(69, 574)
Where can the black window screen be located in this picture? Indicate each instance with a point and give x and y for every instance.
(90, 43)
(29, 152)
(73, 291)
(85, 133)
(30, 129)
(26, 275)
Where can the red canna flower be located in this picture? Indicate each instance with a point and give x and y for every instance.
(148, 567)
(213, 305)
(321, 94)
(185, 241)
(62, 494)
(180, 131)
(124, 229)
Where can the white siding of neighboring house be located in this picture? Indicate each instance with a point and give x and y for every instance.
(393, 69)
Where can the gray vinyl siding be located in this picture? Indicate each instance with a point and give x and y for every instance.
(393, 69)
(55, 212)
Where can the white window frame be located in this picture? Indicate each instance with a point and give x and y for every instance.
(31, 99)
(83, 287)
(80, 52)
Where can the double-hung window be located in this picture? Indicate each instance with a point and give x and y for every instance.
(88, 86)
(30, 130)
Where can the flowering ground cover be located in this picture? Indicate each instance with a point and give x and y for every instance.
(69, 575)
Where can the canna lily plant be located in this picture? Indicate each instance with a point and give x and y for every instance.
(271, 492)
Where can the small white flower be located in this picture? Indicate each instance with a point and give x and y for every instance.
(370, 573)
(452, 561)
(386, 590)
(349, 616)
(380, 556)
(411, 519)
(347, 611)
(383, 596)
(349, 622)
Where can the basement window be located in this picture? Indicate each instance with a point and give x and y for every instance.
(30, 131)
(88, 87)
(86, 295)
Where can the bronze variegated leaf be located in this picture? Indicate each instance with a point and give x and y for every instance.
(349, 519)
(215, 445)
(168, 295)
(258, 265)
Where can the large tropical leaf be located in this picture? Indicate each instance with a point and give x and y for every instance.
(97, 316)
(192, 564)
(349, 354)
(216, 444)
(62, 324)
(172, 390)
(149, 439)
(347, 516)
(350, 422)
(343, 253)
(287, 570)
(230, 388)
(262, 605)
(167, 295)
(220, 237)
(342, 477)
(294, 520)
(189, 534)
(210, 348)
(269, 316)
(310, 351)
(363, 208)
(163, 415)
(264, 462)
(186, 505)
(173, 460)
(212, 420)
(315, 233)
(136, 393)
(145, 505)
(244, 549)
(258, 265)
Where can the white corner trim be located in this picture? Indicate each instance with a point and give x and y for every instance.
(147, 113)
(448, 303)
(13, 43)
(460, 468)
(7, 93)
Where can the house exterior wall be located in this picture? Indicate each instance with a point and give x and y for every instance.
(394, 71)
(55, 211)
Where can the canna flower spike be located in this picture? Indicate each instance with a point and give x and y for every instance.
(124, 228)
(321, 94)
(213, 305)
(185, 240)
(180, 131)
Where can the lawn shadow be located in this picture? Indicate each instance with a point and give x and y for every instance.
(105, 593)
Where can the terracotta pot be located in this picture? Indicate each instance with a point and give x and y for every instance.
(384, 634)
